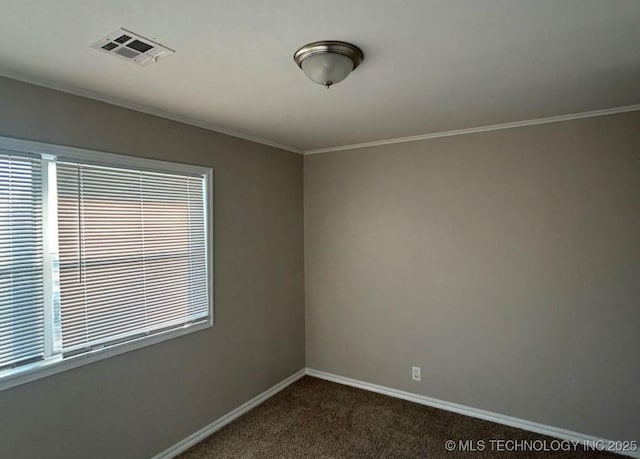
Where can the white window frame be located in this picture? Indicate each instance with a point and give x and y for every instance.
(41, 369)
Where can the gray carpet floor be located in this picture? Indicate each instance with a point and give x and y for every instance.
(313, 418)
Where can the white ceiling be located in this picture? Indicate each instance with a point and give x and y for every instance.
(430, 66)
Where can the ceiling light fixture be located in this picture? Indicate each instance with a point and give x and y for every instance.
(328, 62)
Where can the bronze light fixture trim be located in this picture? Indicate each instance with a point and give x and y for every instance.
(328, 62)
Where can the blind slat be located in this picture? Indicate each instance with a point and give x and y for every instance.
(21, 292)
(132, 253)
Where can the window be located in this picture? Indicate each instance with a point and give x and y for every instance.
(21, 247)
(99, 254)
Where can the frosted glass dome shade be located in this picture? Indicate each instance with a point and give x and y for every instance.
(328, 62)
(328, 68)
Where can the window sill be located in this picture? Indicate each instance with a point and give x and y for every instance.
(42, 369)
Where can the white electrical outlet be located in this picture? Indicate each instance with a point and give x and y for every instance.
(415, 373)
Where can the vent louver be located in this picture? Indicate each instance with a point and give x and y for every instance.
(130, 46)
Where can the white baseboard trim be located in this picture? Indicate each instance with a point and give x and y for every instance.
(523, 424)
(219, 423)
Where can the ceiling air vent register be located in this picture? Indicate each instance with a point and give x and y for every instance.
(132, 47)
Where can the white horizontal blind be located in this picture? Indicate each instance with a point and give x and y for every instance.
(21, 254)
(132, 253)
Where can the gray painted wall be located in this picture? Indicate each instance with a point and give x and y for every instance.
(506, 264)
(137, 404)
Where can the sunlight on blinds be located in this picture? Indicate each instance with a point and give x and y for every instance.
(21, 252)
(132, 253)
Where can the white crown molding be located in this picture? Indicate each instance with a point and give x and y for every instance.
(57, 86)
(556, 432)
(492, 127)
(219, 423)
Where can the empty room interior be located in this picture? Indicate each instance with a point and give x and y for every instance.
(338, 229)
